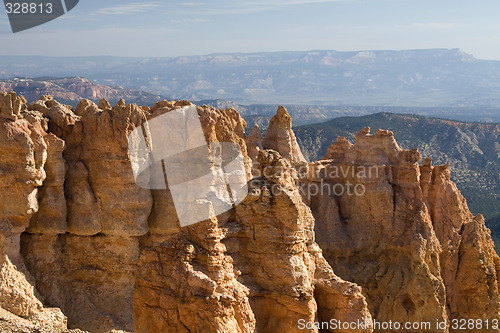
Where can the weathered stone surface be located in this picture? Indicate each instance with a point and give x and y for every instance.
(23, 151)
(104, 104)
(51, 215)
(90, 278)
(99, 169)
(476, 284)
(381, 237)
(23, 154)
(364, 233)
(218, 126)
(338, 149)
(403, 237)
(280, 137)
(225, 126)
(469, 265)
(17, 295)
(254, 143)
(292, 281)
(187, 283)
(11, 105)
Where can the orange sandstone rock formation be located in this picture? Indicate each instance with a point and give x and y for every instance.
(23, 152)
(409, 239)
(280, 137)
(79, 239)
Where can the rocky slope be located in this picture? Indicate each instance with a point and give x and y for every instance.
(84, 247)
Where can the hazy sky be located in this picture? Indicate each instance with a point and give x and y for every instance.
(193, 27)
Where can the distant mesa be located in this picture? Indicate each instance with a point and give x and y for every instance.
(71, 90)
(406, 78)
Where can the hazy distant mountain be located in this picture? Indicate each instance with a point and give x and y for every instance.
(72, 90)
(302, 114)
(436, 77)
(310, 114)
(472, 149)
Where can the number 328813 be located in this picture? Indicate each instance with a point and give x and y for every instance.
(28, 8)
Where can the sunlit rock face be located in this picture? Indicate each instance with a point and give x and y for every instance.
(405, 235)
(365, 233)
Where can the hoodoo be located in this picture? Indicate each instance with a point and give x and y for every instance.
(82, 246)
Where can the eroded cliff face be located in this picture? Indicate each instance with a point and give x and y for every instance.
(23, 152)
(80, 238)
(406, 235)
(469, 264)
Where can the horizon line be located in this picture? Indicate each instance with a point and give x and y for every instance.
(248, 53)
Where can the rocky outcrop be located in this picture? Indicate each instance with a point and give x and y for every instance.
(469, 265)
(365, 233)
(11, 105)
(280, 137)
(23, 152)
(97, 245)
(186, 280)
(187, 283)
(254, 143)
(403, 232)
(472, 149)
(292, 282)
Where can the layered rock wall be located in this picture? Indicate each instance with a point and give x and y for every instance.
(24, 152)
(365, 233)
(404, 233)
